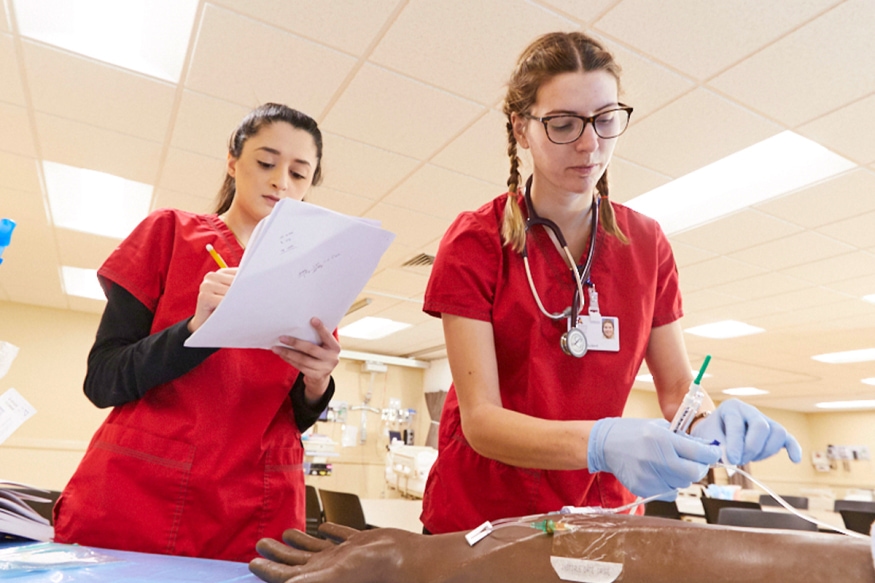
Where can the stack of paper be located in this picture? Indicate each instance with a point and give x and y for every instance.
(301, 261)
(17, 517)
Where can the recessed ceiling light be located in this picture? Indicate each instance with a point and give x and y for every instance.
(745, 391)
(148, 36)
(371, 328)
(95, 202)
(863, 355)
(863, 404)
(778, 165)
(870, 298)
(724, 329)
(648, 378)
(869, 381)
(81, 282)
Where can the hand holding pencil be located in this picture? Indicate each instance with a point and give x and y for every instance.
(212, 289)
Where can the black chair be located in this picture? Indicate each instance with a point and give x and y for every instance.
(763, 519)
(858, 520)
(314, 511)
(854, 505)
(712, 507)
(343, 508)
(662, 508)
(800, 502)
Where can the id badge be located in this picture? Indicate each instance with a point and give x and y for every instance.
(602, 332)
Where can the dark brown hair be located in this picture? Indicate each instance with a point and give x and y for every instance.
(258, 118)
(548, 56)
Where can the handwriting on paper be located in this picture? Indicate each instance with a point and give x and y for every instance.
(316, 266)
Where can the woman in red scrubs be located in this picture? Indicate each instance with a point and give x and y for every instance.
(533, 420)
(201, 454)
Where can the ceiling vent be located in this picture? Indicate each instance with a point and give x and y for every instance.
(421, 260)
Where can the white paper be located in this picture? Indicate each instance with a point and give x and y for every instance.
(302, 261)
(14, 410)
(585, 571)
(8, 352)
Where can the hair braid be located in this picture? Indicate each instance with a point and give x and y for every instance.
(513, 227)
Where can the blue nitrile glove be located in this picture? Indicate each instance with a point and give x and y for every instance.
(747, 434)
(647, 457)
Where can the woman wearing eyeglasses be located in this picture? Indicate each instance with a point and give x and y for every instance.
(533, 421)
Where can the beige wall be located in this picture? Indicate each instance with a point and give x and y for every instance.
(51, 365)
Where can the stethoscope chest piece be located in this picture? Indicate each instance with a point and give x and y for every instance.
(574, 342)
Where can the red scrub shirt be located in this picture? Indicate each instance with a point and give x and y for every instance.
(204, 465)
(476, 276)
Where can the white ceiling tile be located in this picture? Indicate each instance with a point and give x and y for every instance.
(858, 231)
(855, 287)
(204, 124)
(703, 38)
(628, 180)
(812, 70)
(416, 122)
(711, 272)
(4, 23)
(740, 230)
(362, 169)
(798, 249)
(342, 202)
(164, 198)
(445, 43)
(838, 268)
(848, 195)
(413, 229)
(441, 193)
(409, 312)
(761, 286)
(11, 90)
(645, 84)
(397, 254)
(584, 10)
(697, 129)
(688, 255)
(98, 94)
(706, 299)
(86, 146)
(30, 270)
(481, 150)
(19, 206)
(348, 26)
(78, 249)
(19, 172)
(847, 131)
(250, 63)
(192, 174)
(88, 305)
(398, 281)
(15, 133)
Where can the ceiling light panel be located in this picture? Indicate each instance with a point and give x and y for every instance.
(850, 356)
(147, 36)
(724, 329)
(81, 282)
(371, 328)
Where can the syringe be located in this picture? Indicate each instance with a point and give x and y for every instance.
(691, 403)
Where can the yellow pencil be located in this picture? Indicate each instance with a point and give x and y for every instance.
(215, 255)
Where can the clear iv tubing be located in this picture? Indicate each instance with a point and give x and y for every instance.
(523, 520)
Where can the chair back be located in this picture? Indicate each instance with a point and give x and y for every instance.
(343, 508)
(662, 508)
(314, 511)
(712, 507)
(858, 520)
(800, 502)
(763, 519)
(854, 505)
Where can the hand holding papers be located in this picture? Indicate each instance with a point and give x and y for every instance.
(302, 261)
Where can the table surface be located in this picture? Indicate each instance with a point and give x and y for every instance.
(400, 513)
(136, 568)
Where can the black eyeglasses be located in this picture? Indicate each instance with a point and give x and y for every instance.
(567, 128)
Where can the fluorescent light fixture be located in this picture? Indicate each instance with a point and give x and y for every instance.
(81, 282)
(862, 404)
(776, 166)
(724, 329)
(648, 378)
(870, 298)
(95, 202)
(745, 392)
(869, 381)
(148, 36)
(863, 355)
(371, 328)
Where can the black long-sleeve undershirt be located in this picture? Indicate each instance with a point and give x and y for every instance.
(126, 360)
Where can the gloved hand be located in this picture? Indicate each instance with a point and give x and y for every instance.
(647, 457)
(747, 434)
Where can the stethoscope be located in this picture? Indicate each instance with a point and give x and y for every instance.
(573, 341)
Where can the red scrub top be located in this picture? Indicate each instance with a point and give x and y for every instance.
(476, 276)
(204, 465)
